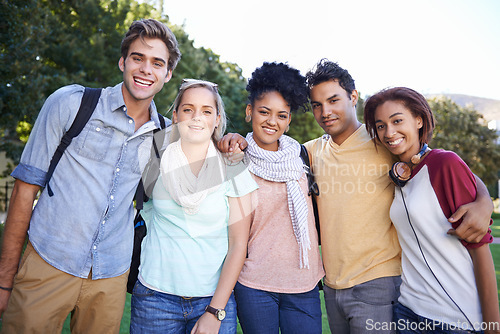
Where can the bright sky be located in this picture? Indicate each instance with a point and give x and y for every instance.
(433, 46)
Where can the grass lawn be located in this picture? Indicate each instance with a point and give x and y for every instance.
(495, 251)
(495, 228)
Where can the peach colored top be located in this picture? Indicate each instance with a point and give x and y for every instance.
(273, 258)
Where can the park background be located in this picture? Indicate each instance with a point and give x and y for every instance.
(447, 50)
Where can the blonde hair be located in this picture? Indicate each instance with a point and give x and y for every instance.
(195, 83)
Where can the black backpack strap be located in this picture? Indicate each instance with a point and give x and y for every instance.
(162, 122)
(152, 168)
(313, 191)
(87, 106)
(313, 186)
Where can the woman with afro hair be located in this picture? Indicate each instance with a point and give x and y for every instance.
(278, 286)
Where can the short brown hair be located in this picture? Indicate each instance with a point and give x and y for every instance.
(412, 100)
(150, 28)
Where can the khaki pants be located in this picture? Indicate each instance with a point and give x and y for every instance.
(44, 296)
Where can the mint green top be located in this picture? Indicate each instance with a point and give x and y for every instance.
(183, 254)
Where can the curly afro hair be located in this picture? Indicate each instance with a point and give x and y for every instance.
(281, 78)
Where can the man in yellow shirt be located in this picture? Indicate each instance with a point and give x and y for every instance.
(360, 249)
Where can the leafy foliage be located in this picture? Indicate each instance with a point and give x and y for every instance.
(201, 63)
(74, 41)
(63, 42)
(463, 131)
(360, 110)
(304, 127)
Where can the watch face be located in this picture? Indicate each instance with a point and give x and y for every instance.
(221, 314)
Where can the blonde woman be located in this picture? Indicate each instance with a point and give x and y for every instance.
(198, 225)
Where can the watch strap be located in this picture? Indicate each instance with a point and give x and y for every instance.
(216, 312)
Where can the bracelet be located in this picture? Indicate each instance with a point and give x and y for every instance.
(6, 289)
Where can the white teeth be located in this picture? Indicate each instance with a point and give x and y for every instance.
(143, 82)
(396, 141)
(270, 131)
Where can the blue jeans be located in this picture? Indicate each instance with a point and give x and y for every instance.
(408, 322)
(263, 312)
(156, 312)
(363, 307)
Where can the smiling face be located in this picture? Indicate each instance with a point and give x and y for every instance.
(270, 118)
(144, 70)
(196, 115)
(398, 129)
(335, 110)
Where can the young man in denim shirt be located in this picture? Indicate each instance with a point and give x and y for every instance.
(80, 239)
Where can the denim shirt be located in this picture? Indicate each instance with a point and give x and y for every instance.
(87, 224)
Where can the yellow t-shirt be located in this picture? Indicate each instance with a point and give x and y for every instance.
(358, 241)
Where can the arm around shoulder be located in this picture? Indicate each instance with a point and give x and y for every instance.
(476, 216)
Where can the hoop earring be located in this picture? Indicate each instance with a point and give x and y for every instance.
(248, 118)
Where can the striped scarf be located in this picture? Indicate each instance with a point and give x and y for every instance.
(284, 165)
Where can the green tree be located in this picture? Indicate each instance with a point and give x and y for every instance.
(304, 127)
(202, 63)
(360, 108)
(62, 42)
(463, 131)
(20, 85)
(73, 41)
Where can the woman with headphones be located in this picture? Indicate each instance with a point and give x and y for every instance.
(449, 285)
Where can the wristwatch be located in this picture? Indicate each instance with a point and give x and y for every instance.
(220, 314)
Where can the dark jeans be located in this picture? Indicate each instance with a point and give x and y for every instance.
(408, 322)
(264, 312)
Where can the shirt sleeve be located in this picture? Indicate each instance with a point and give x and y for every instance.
(54, 119)
(240, 181)
(454, 185)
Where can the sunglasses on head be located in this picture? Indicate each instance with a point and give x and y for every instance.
(200, 82)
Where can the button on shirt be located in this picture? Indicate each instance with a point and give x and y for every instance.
(87, 224)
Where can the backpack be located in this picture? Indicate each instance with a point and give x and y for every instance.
(313, 186)
(87, 106)
(142, 194)
(313, 191)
